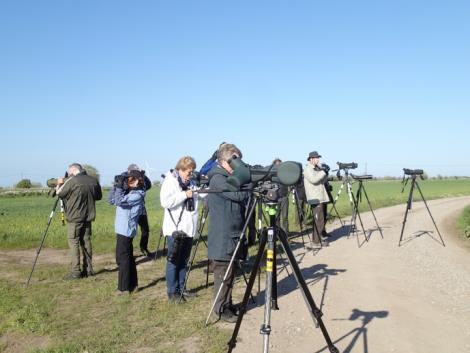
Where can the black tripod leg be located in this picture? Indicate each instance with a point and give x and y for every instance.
(373, 214)
(334, 205)
(356, 203)
(233, 341)
(245, 279)
(337, 214)
(315, 312)
(43, 239)
(408, 207)
(158, 244)
(429, 211)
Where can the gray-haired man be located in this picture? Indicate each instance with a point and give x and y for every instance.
(79, 192)
(226, 220)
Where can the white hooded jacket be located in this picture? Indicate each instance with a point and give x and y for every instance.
(172, 198)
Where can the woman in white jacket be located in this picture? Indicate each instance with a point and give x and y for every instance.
(179, 222)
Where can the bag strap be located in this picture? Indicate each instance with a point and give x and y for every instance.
(179, 218)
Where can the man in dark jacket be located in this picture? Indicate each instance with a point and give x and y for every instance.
(143, 219)
(79, 193)
(226, 220)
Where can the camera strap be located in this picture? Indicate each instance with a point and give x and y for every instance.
(179, 218)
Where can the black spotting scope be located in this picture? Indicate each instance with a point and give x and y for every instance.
(362, 177)
(413, 171)
(286, 173)
(351, 165)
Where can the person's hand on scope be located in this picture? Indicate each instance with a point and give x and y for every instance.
(60, 181)
(189, 193)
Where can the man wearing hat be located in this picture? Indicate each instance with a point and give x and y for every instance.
(143, 219)
(315, 177)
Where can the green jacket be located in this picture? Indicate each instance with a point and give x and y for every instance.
(79, 194)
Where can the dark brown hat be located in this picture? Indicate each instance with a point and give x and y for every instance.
(313, 154)
(135, 174)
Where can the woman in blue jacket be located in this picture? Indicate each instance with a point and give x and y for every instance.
(128, 197)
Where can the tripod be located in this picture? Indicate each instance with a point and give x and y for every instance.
(414, 183)
(44, 237)
(352, 201)
(362, 190)
(268, 240)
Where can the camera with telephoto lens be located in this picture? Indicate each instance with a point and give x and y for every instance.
(351, 165)
(413, 171)
(120, 181)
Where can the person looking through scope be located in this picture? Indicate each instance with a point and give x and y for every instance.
(315, 177)
(226, 220)
(128, 196)
(179, 224)
(79, 192)
(143, 219)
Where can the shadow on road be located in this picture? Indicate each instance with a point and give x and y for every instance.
(359, 333)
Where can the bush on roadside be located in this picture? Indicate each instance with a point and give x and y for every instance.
(24, 184)
(464, 222)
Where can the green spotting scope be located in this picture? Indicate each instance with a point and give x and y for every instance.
(286, 173)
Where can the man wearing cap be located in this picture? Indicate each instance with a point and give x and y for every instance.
(143, 219)
(315, 177)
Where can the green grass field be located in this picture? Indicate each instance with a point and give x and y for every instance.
(52, 315)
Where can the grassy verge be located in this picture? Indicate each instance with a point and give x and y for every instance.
(87, 316)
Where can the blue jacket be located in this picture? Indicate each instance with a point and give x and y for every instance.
(129, 208)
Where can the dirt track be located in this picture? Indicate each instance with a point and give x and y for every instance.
(378, 297)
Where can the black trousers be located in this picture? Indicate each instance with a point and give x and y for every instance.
(144, 231)
(225, 297)
(318, 212)
(127, 275)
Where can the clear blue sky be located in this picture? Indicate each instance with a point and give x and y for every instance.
(108, 83)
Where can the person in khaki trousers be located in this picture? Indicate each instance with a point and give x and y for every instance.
(315, 177)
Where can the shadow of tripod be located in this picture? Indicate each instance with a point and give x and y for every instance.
(412, 174)
(359, 332)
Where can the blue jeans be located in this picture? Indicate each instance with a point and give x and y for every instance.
(176, 272)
